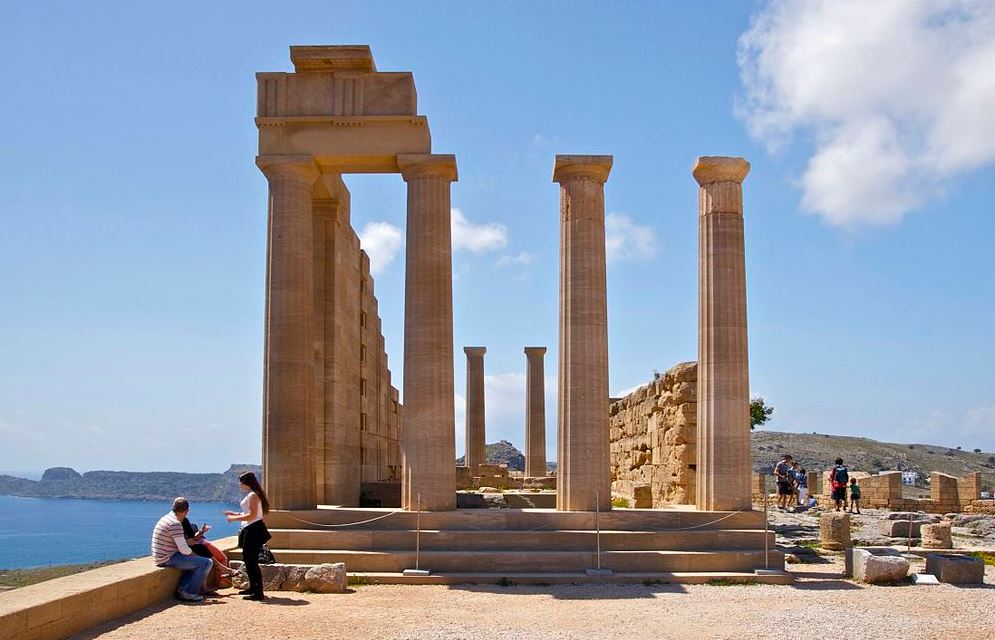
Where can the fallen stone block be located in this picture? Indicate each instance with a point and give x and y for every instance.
(956, 569)
(937, 536)
(834, 530)
(900, 528)
(322, 578)
(875, 569)
(877, 551)
(327, 578)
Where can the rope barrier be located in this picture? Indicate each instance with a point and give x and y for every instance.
(347, 524)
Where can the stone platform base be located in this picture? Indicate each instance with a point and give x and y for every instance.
(527, 545)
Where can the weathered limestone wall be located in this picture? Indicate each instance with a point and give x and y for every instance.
(358, 417)
(653, 439)
(947, 493)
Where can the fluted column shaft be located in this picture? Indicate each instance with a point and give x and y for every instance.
(535, 413)
(583, 471)
(476, 448)
(288, 397)
(428, 433)
(723, 465)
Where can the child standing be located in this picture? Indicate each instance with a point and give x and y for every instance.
(854, 495)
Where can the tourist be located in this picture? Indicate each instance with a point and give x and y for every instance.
(854, 495)
(785, 482)
(801, 483)
(170, 549)
(253, 534)
(204, 548)
(839, 476)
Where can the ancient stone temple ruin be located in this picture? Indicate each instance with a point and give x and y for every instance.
(333, 426)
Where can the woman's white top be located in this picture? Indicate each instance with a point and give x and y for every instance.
(246, 505)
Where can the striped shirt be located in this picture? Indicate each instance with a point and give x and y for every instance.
(164, 538)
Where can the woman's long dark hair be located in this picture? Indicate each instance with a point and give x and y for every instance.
(249, 479)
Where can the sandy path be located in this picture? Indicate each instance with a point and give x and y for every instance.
(819, 605)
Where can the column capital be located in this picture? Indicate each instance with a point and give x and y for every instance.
(475, 351)
(710, 169)
(422, 165)
(567, 167)
(301, 168)
(535, 351)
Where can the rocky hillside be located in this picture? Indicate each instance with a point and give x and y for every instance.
(816, 451)
(64, 482)
(502, 453)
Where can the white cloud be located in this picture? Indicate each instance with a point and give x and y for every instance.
(477, 238)
(895, 96)
(624, 392)
(523, 258)
(381, 241)
(625, 240)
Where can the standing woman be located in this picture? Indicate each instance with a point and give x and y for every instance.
(253, 534)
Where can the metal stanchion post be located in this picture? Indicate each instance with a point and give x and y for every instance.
(417, 571)
(598, 571)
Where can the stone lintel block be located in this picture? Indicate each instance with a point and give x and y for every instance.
(956, 569)
(581, 166)
(331, 58)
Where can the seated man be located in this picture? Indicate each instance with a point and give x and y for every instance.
(170, 549)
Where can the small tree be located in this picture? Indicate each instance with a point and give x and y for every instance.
(760, 413)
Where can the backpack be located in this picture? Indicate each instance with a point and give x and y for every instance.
(841, 475)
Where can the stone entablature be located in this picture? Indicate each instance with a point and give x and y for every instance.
(653, 439)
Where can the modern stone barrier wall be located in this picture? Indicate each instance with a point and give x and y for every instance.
(653, 440)
(59, 608)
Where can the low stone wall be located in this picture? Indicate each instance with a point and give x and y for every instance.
(653, 440)
(947, 493)
(59, 608)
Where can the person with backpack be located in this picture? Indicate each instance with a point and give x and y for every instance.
(839, 478)
(785, 482)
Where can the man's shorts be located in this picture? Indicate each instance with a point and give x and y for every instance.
(784, 488)
(839, 494)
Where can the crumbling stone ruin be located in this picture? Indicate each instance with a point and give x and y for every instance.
(654, 438)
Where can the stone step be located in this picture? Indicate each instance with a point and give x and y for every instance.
(532, 561)
(463, 540)
(518, 519)
(545, 579)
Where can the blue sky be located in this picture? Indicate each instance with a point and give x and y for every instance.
(132, 222)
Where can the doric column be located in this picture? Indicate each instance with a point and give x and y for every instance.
(535, 413)
(428, 432)
(723, 469)
(583, 472)
(288, 395)
(476, 449)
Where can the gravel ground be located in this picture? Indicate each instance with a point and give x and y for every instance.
(819, 605)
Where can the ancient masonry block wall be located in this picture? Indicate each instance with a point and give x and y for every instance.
(653, 439)
(380, 453)
(947, 493)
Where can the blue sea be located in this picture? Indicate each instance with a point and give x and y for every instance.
(39, 532)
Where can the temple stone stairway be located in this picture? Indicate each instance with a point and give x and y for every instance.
(528, 545)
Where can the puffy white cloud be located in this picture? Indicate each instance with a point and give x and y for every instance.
(626, 240)
(895, 96)
(381, 241)
(477, 238)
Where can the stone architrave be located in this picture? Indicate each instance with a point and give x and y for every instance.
(288, 378)
(428, 436)
(583, 467)
(535, 413)
(723, 467)
(476, 449)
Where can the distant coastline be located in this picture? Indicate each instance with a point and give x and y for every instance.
(65, 482)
